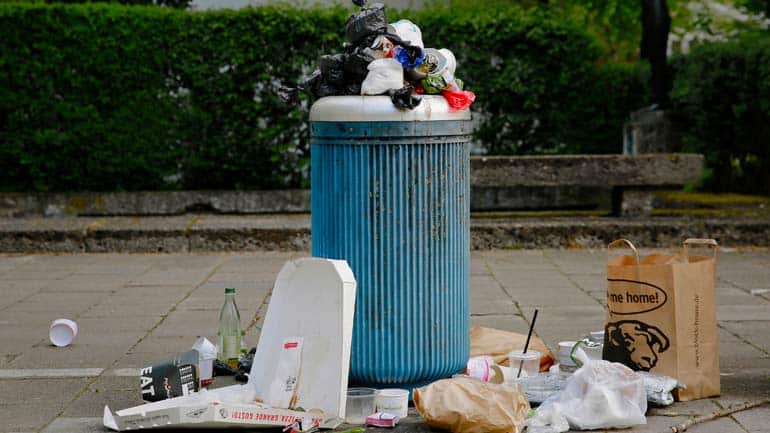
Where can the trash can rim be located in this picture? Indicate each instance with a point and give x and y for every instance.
(381, 108)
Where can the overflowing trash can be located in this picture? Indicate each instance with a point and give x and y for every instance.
(391, 195)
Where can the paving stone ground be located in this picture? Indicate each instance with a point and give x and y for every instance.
(135, 308)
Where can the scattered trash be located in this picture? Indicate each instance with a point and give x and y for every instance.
(381, 58)
(326, 330)
(498, 344)
(171, 377)
(659, 388)
(542, 386)
(757, 292)
(360, 404)
(207, 354)
(599, 395)
(467, 405)
(661, 315)
(382, 419)
(393, 401)
(62, 332)
(229, 330)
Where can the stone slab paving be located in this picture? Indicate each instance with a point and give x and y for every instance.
(135, 308)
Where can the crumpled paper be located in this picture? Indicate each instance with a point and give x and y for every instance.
(467, 405)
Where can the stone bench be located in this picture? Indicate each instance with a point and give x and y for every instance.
(527, 182)
(632, 179)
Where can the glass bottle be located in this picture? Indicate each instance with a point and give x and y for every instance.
(229, 330)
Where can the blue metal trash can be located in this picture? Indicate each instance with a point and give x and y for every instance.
(390, 193)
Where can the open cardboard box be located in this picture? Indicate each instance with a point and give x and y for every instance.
(313, 299)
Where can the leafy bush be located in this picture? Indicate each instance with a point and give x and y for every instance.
(722, 90)
(109, 97)
(114, 97)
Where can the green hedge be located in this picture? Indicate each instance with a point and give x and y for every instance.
(106, 97)
(722, 91)
(114, 97)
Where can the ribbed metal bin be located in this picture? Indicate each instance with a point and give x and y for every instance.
(391, 195)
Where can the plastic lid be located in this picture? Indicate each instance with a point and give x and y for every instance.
(229, 290)
(381, 109)
(518, 354)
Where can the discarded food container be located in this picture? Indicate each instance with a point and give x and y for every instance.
(382, 419)
(229, 330)
(391, 195)
(360, 404)
(171, 377)
(394, 401)
(207, 353)
(565, 352)
(62, 332)
(528, 363)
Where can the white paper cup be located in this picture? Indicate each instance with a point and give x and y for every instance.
(394, 401)
(565, 349)
(62, 332)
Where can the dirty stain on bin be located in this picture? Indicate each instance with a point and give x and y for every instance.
(390, 194)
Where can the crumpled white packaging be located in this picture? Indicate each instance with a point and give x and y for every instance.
(659, 388)
(407, 31)
(599, 395)
(384, 75)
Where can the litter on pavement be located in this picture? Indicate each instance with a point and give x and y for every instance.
(308, 379)
(298, 375)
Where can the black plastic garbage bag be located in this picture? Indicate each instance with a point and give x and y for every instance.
(356, 63)
(333, 68)
(404, 99)
(369, 20)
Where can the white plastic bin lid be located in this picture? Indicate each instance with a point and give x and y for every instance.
(381, 109)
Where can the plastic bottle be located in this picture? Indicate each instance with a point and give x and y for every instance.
(229, 330)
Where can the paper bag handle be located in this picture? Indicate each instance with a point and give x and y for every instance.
(693, 241)
(627, 243)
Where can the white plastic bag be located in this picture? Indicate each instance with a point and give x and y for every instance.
(383, 75)
(599, 395)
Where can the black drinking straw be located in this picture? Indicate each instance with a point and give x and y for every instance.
(526, 345)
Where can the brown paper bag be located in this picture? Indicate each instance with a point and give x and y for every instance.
(467, 405)
(498, 344)
(661, 316)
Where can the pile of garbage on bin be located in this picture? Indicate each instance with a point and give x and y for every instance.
(385, 59)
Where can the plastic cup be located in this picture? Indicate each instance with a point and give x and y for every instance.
(359, 405)
(528, 362)
(206, 367)
(62, 332)
(565, 349)
(394, 401)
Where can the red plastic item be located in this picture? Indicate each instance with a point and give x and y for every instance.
(459, 99)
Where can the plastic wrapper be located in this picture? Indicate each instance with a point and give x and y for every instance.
(543, 386)
(384, 75)
(599, 395)
(408, 56)
(659, 388)
(458, 99)
(408, 32)
(468, 405)
(433, 84)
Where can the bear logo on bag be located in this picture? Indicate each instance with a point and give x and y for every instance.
(634, 343)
